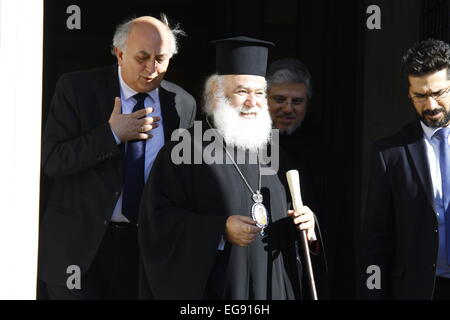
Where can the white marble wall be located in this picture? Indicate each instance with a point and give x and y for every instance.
(21, 40)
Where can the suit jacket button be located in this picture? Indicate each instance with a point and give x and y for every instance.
(117, 193)
(105, 222)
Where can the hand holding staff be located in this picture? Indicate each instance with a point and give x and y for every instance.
(294, 187)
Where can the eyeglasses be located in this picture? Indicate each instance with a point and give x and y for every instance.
(438, 96)
(295, 102)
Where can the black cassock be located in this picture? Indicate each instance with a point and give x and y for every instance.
(183, 213)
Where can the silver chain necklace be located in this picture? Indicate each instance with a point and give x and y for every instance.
(256, 196)
(259, 211)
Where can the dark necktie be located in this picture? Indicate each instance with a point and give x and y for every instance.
(444, 163)
(133, 171)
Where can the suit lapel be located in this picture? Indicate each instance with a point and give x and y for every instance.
(108, 89)
(111, 91)
(171, 119)
(417, 151)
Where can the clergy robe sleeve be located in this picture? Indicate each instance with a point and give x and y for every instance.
(178, 245)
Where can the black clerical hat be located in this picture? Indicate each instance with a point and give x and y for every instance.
(242, 55)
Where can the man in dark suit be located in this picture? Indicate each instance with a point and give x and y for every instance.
(103, 132)
(289, 92)
(406, 228)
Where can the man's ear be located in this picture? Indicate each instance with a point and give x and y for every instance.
(119, 55)
(214, 85)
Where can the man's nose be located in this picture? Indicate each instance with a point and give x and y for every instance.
(287, 106)
(150, 66)
(430, 103)
(251, 100)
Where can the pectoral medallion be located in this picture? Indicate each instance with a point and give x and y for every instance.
(259, 212)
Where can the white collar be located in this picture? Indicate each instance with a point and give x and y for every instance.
(429, 132)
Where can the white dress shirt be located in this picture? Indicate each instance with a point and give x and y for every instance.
(432, 153)
(153, 145)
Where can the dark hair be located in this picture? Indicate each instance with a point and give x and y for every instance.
(426, 57)
(289, 70)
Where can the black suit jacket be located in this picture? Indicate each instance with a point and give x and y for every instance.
(400, 228)
(81, 155)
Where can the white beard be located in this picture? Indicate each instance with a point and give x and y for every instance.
(247, 134)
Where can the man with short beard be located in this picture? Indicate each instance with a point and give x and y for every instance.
(406, 232)
(223, 230)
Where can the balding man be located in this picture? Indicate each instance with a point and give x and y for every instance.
(103, 132)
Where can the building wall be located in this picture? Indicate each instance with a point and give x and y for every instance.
(385, 105)
(20, 129)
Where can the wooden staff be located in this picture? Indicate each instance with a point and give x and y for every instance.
(294, 187)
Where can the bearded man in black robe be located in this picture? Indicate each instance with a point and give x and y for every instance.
(214, 219)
